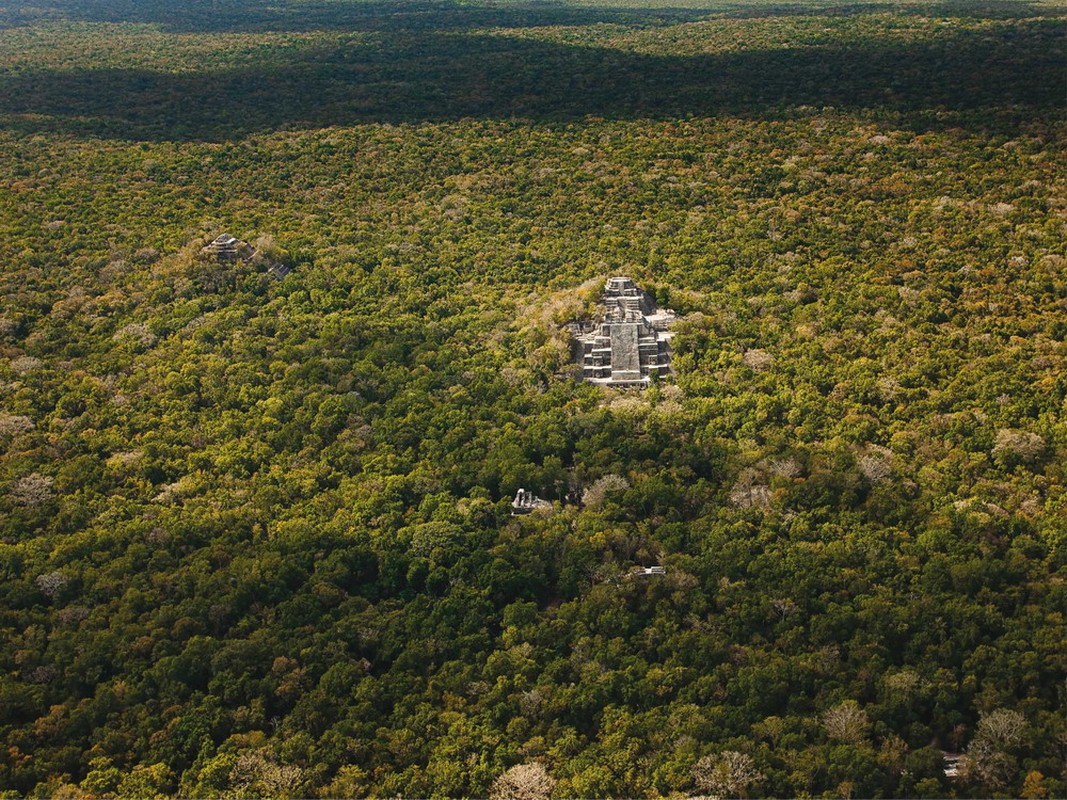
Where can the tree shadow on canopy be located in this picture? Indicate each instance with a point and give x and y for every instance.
(416, 76)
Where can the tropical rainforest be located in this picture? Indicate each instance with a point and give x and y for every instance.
(255, 532)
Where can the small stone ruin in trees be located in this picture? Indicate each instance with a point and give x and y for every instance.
(228, 249)
(628, 343)
(644, 572)
(526, 501)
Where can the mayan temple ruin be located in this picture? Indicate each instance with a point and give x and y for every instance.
(628, 343)
(227, 248)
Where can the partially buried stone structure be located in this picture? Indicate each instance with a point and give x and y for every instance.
(629, 342)
(228, 248)
(526, 501)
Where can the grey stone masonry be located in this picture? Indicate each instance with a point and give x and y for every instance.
(645, 571)
(625, 351)
(227, 248)
(628, 343)
(526, 501)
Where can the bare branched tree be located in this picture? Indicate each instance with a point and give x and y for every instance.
(15, 424)
(874, 466)
(1003, 727)
(846, 722)
(728, 774)
(31, 490)
(751, 491)
(523, 782)
(595, 495)
(757, 360)
(50, 583)
(1014, 445)
(258, 774)
(988, 761)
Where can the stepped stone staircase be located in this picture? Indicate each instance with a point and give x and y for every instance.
(629, 342)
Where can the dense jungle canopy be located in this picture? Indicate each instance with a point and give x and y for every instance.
(255, 535)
